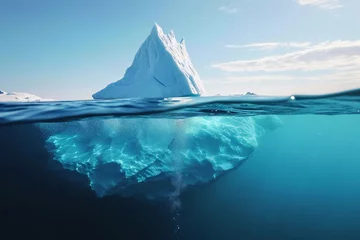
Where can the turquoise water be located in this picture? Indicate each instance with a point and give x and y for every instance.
(294, 173)
(301, 183)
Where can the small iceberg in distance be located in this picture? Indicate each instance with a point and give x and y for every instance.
(19, 97)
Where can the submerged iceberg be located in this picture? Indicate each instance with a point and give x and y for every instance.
(162, 68)
(153, 158)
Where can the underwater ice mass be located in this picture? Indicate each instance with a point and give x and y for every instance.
(154, 158)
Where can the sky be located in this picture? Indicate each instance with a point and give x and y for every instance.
(70, 49)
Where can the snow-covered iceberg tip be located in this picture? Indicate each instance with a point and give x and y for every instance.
(161, 68)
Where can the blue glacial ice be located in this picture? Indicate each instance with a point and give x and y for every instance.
(153, 158)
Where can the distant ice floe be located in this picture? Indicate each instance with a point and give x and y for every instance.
(20, 97)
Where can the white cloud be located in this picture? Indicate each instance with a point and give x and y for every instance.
(321, 68)
(268, 84)
(336, 55)
(228, 9)
(271, 45)
(349, 77)
(323, 4)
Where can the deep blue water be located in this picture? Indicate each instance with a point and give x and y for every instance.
(302, 182)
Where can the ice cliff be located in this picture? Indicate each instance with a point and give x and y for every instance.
(161, 68)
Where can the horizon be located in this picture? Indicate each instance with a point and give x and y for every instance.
(65, 51)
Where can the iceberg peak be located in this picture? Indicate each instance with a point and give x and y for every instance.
(161, 68)
(156, 30)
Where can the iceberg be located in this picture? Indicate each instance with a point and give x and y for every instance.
(162, 68)
(19, 97)
(155, 158)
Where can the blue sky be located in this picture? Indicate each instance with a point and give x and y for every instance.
(70, 49)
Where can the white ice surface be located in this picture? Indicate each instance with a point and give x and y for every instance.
(161, 68)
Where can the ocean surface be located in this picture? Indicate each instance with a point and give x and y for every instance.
(302, 181)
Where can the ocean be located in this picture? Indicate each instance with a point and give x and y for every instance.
(299, 181)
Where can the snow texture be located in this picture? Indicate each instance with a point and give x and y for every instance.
(162, 68)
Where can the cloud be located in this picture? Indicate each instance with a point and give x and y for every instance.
(288, 88)
(271, 45)
(287, 84)
(335, 55)
(330, 66)
(323, 4)
(228, 9)
(348, 77)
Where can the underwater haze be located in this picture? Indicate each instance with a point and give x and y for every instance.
(239, 167)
